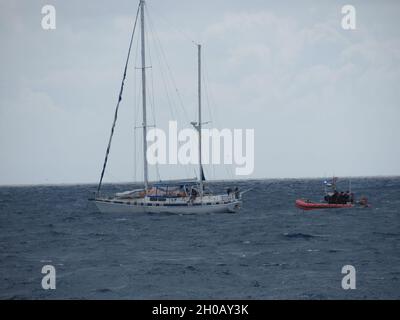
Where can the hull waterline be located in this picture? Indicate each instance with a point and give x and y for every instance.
(111, 207)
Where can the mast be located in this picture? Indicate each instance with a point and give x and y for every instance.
(201, 174)
(144, 124)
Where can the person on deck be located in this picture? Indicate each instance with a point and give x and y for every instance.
(237, 193)
(347, 197)
(334, 197)
(193, 194)
(341, 198)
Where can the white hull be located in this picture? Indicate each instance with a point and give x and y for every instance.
(111, 207)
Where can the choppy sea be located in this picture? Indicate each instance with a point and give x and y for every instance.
(270, 250)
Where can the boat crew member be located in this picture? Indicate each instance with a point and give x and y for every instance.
(347, 196)
(341, 199)
(334, 197)
(237, 193)
(193, 194)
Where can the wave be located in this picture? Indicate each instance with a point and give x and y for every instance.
(299, 235)
(386, 234)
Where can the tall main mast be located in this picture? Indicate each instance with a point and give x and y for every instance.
(144, 124)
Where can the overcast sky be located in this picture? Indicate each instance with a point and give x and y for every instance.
(322, 100)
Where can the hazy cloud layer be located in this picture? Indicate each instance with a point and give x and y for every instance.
(321, 99)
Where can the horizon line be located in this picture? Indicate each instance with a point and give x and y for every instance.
(58, 184)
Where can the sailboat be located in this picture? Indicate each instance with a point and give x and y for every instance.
(180, 197)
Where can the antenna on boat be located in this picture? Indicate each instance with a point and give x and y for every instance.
(144, 124)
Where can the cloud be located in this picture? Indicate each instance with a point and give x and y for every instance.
(318, 97)
(301, 80)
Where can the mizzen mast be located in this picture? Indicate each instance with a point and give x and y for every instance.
(201, 173)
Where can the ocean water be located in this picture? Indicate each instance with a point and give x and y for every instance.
(270, 250)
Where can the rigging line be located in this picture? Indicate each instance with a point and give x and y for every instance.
(208, 104)
(152, 100)
(183, 33)
(134, 155)
(205, 86)
(152, 105)
(138, 97)
(137, 86)
(173, 82)
(158, 55)
(172, 79)
(136, 101)
(209, 94)
(150, 28)
(228, 168)
(164, 78)
(137, 125)
(169, 80)
(119, 100)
